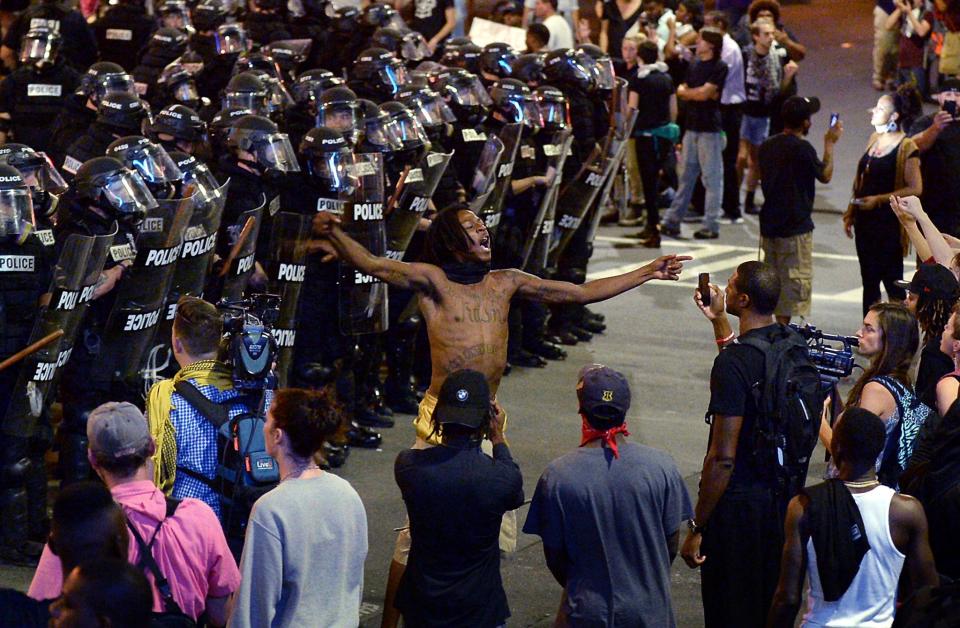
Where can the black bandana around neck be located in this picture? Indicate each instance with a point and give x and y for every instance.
(466, 272)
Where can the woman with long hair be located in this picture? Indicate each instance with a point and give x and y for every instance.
(889, 337)
(302, 561)
(889, 167)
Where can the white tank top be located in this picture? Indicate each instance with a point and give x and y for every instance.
(869, 602)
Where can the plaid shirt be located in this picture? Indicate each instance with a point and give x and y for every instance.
(197, 443)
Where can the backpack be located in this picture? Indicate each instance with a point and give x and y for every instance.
(246, 471)
(789, 400)
(902, 439)
(172, 615)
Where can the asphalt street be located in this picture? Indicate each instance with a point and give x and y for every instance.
(655, 336)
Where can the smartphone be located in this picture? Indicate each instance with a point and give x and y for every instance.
(950, 106)
(834, 118)
(704, 287)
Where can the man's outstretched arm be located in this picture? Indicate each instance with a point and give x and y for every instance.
(401, 274)
(529, 286)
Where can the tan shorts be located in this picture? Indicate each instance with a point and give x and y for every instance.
(793, 260)
(425, 439)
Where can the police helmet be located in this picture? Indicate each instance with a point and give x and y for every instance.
(150, 160)
(40, 47)
(553, 108)
(345, 20)
(178, 121)
(168, 40)
(231, 39)
(260, 137)
(114, 189)
(326, 154)
(16, 203)
(497, 59)
(565, 68)
(105, 77)
(377, 74)
(309, 86)
(466, 57)
(175, 14)
(528, 68)
(122, 110)
(339, 111)
(38, 172)
(600, 64)
(465, 94)
(209, 15)
(197, 179)
(380, 133)
(177, 84)
(246, 90)
(515, 102)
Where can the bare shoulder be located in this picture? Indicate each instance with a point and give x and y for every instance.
(878, 399)
(905, 508)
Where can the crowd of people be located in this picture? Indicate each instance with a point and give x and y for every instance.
(235, 241)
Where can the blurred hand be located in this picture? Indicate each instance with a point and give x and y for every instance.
(848, 223)
(691, 550)
(941, 120)
(322, 246)
(781, 37)
(324, 223)
(497, 418)
(834, 133)
(909, 205)
(717, 303)
(790, 70)
(905, 219)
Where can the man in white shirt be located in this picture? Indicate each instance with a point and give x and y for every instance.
(560, 34)
(567, 9)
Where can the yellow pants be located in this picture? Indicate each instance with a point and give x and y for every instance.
(427, 438)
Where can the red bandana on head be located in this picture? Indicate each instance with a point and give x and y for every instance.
(589, 433)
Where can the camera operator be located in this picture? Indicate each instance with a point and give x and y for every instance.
(938, 138)
(736, 534)
(176, 425)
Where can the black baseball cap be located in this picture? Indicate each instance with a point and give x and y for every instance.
(934, 280)
(464, 399)
(603, 393)
(796, 109)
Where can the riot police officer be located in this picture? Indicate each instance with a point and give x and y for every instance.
(106, 198)
(339, 111)
(163, 48)
(246, 90)
(152, 163)
(377, 75)
(79, 45)
(344, 40)
(80, 108)
(307, 90)
(228, 42)
(465, 56)
(33, 95)
(470, 103)
(528, 68)
(118, 114)
(496, 61)
(410, 46)
(45, 183)
(25, 273)
(177, 127)
(437, 119)
(122, 31)
(177, 85)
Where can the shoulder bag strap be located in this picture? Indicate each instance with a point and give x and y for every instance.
(216, 413)
(148, 562)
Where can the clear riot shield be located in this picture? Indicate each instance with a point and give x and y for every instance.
(288, 251)
(142, 293)
(616, 151)
(419, 186)
(492, 208)
(189, 277)
(485, 178)
(537, 242)
(71, 289)
(363, 298)
(243, 264)
(574, 201)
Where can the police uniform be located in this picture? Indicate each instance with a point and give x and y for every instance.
(91, 144)
(79, 46)
(122, 32)
(34, 99)
(71, 122)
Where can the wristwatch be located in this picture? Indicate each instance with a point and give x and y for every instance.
(693, 527)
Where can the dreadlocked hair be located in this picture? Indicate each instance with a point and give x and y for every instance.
(900, 340)
(446, 236)
(932, 314)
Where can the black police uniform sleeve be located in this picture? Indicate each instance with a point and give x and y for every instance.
(729, 382)
(82, 45)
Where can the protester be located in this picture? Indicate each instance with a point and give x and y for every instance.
(703, 138)
(654, 22)
(110, 593)
(735, 535)
(789, 168)
(609, 515)
(889, 167)
(885, 45)
(538, 37)
(914, 24)
(561, 36)
(853, 537)
(937, 136)
(306, 541)
(456, 497)
(187, 542)
(616, 18)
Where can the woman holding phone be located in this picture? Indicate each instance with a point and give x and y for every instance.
(889, 167)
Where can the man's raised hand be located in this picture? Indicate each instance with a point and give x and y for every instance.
(716, 307)
(324, 222)
(667, 267)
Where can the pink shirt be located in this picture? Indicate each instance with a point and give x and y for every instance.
(190, 550)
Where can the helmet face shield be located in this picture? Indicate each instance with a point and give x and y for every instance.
(115, 84)
(254, 101)
(470, 93)
(410, 130)
(531, 113)
(343, 117)
(43, 176)
(553, 114)
(230, 40)
(204, 185)
(128, 195)
(275, 152)
(39, 49)
(331, 169)
(414, 47)
(394, 76)
(602, 70)
(16, 211)
(186, 92)
(383, 132)
(153, 164)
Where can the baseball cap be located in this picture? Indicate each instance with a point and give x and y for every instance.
(951, 84)
(934, 280)
(464, 399)
(799, 108)
(713, 36)
(603, 393)
(117, 429)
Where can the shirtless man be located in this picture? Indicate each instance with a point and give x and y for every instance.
(465, 306)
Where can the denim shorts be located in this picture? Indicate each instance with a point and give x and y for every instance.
(754, 130)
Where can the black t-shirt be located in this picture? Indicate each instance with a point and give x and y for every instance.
(934, 364)
(653, 108)
(429, 16)
(456, 499)
(941, 164)
(735, 371)
(703, 116)
(789, 167)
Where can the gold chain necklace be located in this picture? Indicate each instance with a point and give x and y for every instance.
(862, 483)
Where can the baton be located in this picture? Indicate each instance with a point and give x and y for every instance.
(32, 348)
(244, 234)
(396, 193)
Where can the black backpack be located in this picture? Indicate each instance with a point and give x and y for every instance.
(789, 400)
(246, 471)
